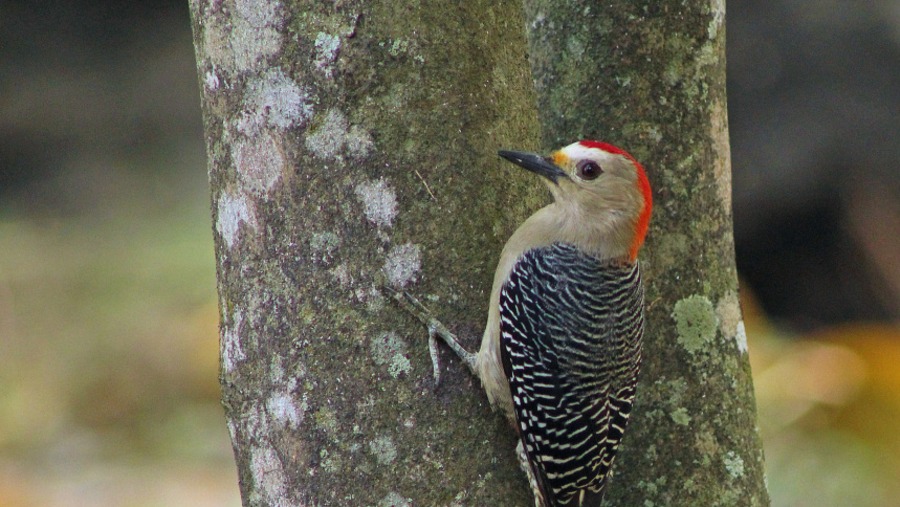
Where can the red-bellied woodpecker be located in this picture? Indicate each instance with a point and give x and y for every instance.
(562, 346)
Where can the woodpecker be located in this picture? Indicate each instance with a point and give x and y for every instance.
(561, 349)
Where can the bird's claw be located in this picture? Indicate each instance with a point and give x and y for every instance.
(418, 310)
(435, 360)
(435, 330)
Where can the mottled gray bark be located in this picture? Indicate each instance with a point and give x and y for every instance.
(350, 145)
(649, 76)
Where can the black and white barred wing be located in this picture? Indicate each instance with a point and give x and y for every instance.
(571, 329)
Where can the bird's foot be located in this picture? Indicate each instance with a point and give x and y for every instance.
(435, 330)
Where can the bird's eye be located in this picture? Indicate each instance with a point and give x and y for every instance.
(588, 169)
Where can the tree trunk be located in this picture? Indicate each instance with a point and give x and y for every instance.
(351, 145)
(650, 77)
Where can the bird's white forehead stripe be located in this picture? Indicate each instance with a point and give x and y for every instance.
(577, 151)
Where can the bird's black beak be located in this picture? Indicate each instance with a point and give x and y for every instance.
(534, 163)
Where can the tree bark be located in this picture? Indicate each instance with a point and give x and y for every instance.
(650, 77)
(351, 145)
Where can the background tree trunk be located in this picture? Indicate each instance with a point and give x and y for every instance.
(353, 144)
(650, 77)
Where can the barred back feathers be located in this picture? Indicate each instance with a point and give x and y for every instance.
(571, 329)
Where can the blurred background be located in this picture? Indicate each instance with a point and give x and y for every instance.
(108, 320)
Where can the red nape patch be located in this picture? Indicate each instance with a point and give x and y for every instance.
(643, 184)
(643, 221)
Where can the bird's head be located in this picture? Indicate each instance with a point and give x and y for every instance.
(598, 188)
